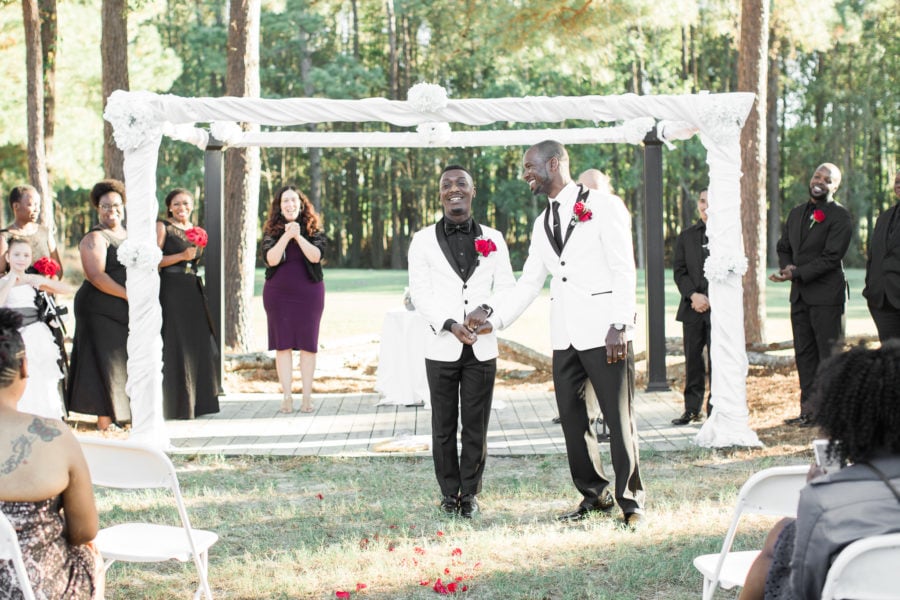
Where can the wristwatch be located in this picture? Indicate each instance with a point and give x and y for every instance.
(487, 309)
(619, 326)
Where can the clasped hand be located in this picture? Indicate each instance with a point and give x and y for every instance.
(785, 274)
(476, 324)
(292, 229)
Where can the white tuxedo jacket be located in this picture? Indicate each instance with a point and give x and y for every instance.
(594, 277)
(439, 292)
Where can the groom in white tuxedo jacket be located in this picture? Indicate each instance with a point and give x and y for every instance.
(455, 266)
(583, 239)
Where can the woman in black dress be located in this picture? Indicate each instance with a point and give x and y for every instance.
(97, 371)
(293, 295)
(190, 352)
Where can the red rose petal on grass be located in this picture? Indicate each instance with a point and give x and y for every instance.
(392, 527)
(342, 594)
(439, 587)
(447, 571)
(465, 588)
(418, 550)
(456, 552)
(320, 496)
(451, 587)
(361, 586)
(458, 578)
(440, 533)
(425, 582)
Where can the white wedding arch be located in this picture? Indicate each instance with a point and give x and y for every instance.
(140, 119)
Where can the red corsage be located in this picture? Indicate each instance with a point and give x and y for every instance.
(197, 236)
(817, 216)
(484, 246)
(47, 267)
(582, 212)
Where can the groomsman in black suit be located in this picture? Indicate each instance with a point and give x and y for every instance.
(455, 266)
(813, 243)
(693, 312)
(883, 271)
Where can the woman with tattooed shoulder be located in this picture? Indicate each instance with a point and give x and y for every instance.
(45, 488)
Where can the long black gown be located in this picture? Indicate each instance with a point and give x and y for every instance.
(190, 351)
(97, 370)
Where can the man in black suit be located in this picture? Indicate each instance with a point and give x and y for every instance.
(693, 312)
(883, 271)
(814, 241)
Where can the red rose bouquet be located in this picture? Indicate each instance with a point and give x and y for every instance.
(485, 246)
(197, 236)
(47, 267)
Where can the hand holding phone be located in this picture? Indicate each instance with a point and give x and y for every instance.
(827, 464)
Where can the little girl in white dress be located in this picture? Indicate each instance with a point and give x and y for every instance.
(18, 291)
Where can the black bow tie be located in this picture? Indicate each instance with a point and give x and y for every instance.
(451, 228)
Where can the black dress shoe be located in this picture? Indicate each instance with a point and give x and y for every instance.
(449, 505)
(633, 520)
(581, 512)
(687, 417)
(468, 506)
(556, 421)
(802, 421)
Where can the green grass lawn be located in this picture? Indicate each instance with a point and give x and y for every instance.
(308, 527)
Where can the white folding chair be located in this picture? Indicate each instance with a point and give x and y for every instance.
(127, 465)
(867, 569)
(774, 492)
(10, 550)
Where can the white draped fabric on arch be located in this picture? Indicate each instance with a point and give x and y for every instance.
(140, 119)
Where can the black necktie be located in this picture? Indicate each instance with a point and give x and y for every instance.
(557, 231)
(451, 228)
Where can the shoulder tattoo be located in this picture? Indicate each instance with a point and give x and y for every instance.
(44, 430)
(21, 449)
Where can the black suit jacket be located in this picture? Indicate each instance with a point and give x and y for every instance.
(817, 254)
(687, 267)
(883, 264)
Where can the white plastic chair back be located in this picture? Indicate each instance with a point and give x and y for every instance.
(129, 465)
(773, 492)
(867, 569)
(10, 550)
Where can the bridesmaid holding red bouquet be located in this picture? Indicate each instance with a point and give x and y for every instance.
(190, 351)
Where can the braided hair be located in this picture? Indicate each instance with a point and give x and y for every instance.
(12, 348)
(857, 402)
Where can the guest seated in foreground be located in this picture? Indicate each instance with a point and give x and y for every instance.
(857, 406)
(45, 488)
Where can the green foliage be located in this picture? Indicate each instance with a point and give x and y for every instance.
(837, 99)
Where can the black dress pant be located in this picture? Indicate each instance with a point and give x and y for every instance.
(696, 337)
(818, 333)
(887, 321)
(461, 392)
(614, 385)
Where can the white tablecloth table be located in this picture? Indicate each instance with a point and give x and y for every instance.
(400, 378)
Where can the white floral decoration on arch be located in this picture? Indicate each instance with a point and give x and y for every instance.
(136, 255)
(427, 97)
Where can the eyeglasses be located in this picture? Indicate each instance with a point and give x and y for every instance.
(111, 207)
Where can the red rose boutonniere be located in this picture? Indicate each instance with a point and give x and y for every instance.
(817, 216)
(484, 246)
(581, 213)
(197, 236)
(47, 267)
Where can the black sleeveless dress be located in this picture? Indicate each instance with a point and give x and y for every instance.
(97, 370)
(190, 351)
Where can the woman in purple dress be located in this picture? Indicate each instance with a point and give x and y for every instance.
(293, 295)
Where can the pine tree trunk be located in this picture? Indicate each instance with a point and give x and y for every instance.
(49, 38)
(242, 173)
(752, 77)
(773, 155)
(37, 157)
(114, 55)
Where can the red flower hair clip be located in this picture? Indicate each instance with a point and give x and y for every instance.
(197, 236)
(485, 246)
